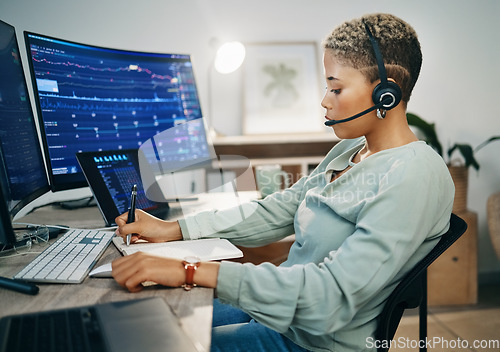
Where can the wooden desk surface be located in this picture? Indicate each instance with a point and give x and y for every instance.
(193, 308)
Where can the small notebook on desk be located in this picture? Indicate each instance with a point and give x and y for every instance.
(205, 249)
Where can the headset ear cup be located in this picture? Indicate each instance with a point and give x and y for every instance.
(391, 89)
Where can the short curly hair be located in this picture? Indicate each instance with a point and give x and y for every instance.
(398, 44)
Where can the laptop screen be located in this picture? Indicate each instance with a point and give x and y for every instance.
(111, 175)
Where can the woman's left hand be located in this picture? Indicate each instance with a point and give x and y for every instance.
(132, 270)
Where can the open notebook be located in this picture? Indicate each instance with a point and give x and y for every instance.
(205, 249)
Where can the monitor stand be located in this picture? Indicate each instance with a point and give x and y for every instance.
(78, 203)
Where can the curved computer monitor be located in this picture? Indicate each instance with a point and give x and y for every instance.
(22, 171)
(92, 98)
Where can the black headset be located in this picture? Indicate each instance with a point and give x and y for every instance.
(386, 95)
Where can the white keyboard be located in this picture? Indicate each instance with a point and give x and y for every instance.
(69, 259)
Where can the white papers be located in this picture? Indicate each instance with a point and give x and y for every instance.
(205, 249)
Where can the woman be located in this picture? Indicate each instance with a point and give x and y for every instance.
(364, 217)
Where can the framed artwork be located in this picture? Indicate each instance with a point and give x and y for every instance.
(281, 89)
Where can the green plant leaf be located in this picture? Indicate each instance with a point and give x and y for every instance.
(467, 153)
(485, 143)
(428, 129)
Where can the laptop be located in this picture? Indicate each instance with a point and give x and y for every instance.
(129, 326)
(111, 175)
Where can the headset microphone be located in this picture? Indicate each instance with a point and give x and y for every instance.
(385, 100)
(386, 94)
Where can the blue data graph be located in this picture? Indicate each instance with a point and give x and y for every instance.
(91, 98)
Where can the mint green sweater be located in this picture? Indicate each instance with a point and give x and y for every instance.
(355, 238)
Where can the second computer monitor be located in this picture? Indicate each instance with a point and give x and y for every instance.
(91, 98)
(22, 170)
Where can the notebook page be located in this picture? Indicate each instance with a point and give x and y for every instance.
(205, 249)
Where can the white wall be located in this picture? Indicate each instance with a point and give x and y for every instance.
(457, 90)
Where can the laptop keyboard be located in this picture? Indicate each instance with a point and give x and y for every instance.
(69, 259)
(75, 329)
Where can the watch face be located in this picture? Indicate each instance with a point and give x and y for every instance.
(192, 260)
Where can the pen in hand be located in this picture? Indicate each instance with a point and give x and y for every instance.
(131, 211)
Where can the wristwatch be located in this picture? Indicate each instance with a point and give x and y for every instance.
(190, 264)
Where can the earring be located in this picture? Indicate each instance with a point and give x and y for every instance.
(381, 113)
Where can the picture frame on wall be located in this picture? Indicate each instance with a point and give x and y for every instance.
(281, 89)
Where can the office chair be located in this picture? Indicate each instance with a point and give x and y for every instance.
(411, 292)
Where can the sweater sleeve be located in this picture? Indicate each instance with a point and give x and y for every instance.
(391, 228)
(260, 222)
(250, 224)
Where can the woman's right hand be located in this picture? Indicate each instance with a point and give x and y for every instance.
(148, 227)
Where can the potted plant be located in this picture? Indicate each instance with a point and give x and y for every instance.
(459, 168)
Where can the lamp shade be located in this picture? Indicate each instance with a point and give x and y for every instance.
(229, 57)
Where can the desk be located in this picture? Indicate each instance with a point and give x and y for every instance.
(193, 308)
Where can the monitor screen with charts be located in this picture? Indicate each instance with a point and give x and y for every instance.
(22, 173)
(92, 98)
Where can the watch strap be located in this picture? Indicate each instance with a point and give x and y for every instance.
(190, 266)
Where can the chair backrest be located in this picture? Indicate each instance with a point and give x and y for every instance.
(413, 288)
